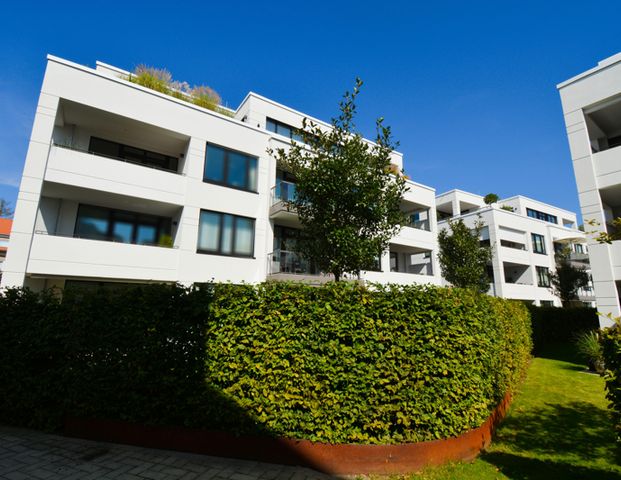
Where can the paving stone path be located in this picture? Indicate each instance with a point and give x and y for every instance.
(28, 454)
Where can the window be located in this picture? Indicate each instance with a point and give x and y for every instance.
(546, 217)
(579, 248)
(230, 168)
(539, 244)
(543, 277)
(283, 129)
(546, 303)
(108, 148)
(98, 223)
(225, 234)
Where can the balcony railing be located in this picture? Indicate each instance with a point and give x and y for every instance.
(579, 257)
(98, 154)
(283, 261)
(283, 192)
(419, 224)
(104, 239)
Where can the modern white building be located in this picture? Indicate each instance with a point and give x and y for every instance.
(592, 110)
(125, 184)
(524, 235)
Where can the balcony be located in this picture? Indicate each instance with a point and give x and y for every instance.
(517, 274)
(579, 257)
(81, 168)
(286, 265)
(63, 256)
(608, 167)
(280, 209)
(410, 260)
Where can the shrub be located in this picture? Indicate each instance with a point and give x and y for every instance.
(560, 325)
(205, 97)
(611, 348)
(590, 349)
(154, 78)
(339, 363)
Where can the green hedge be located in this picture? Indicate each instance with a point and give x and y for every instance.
(560, 325)
(611, 345)
(339, 363)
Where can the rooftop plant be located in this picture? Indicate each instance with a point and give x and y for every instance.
(161, 80)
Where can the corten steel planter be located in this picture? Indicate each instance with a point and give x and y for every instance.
(329, 458)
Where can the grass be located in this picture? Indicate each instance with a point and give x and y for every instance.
(558, 427)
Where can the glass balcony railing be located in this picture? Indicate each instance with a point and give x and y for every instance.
(283, 261)
(420, 224)
(143, 163)
(283, 192)
(579, 257)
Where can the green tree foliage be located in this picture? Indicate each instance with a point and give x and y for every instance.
(490, 198)
(462, 257)
(348, 192)
(567, 279)
(5, 208)
(610, 339)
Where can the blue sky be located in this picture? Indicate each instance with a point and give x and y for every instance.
(469, 88)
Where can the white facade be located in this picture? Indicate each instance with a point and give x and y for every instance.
(592, 110)
(523, 245)
(90, 209)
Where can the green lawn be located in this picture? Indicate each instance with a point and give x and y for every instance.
(557, 428)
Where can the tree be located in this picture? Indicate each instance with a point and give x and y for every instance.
(5, 208)
(462, 257)
(567, 279)
(490, 198)
(348, 193)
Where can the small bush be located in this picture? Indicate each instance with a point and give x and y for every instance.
(154, 78)
(560, 325)
(611, 348)
(590, 349)
(205, 97)
(338, 363)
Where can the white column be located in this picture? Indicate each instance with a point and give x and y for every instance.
(15, 266)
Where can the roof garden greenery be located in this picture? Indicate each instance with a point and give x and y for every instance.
(161, 80)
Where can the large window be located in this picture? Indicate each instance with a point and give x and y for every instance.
(98, 223)
(283, 129)
(539, 243)
(225, 234)
(543, 276)
(133, 154)
(230, 168)
(546, 217)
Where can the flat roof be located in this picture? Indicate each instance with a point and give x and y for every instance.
(601, 65)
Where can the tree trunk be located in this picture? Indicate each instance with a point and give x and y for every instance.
(337, 276)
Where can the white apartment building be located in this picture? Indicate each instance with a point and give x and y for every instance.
(125, 184)
(592, 110)
(524, 235)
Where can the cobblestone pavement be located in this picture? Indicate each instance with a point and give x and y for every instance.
(28, 454)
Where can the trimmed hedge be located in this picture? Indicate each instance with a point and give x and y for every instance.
(560, 324)
(339, 363)
(610, 339)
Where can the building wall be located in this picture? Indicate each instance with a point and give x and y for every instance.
(597, 173)
(59, 175)
(502, 226)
